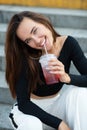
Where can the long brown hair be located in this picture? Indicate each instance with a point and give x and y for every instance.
(16, 50)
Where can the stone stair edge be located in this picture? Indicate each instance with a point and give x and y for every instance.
(55, 14)
(3, 27)
(2, 50)
(49, 10)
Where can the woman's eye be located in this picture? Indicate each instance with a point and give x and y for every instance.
(34, 32)
(27, 41)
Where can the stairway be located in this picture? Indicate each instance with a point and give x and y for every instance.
(65, 21)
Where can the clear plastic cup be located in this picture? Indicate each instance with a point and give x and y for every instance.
(50, 78)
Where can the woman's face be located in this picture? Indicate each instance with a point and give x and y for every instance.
(35, 34)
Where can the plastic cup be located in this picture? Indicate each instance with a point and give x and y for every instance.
(49, 78)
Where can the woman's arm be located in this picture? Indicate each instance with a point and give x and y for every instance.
(80, 62)
(28, 107)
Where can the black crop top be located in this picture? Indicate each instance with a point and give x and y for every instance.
(71, 51)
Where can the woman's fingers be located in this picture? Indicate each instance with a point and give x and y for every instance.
(55, 67)
(55, 62)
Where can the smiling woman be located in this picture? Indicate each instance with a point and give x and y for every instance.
(42, 106)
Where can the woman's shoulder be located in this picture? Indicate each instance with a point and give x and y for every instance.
(68, 43)
(68, 40)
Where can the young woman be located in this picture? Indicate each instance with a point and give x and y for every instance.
(41, 106)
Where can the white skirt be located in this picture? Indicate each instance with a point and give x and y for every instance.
(70, 105)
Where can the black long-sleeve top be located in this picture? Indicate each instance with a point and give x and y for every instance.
(71, 51)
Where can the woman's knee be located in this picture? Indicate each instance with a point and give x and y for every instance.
(77, 92)
(82, 96)
(21, 121)
(76, 107)
(77, 97)
(31, 123)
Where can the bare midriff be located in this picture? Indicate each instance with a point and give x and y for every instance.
(33, 96)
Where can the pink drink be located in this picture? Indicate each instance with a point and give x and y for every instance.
(50, 78)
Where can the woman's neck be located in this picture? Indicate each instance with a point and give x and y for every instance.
(57, 46)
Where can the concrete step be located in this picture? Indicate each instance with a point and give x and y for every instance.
(3, 28)
(4, 113)
(59, 17)
(5, 95)
(2, 58)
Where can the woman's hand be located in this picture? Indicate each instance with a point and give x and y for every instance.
(56, 67)
(63, 126)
